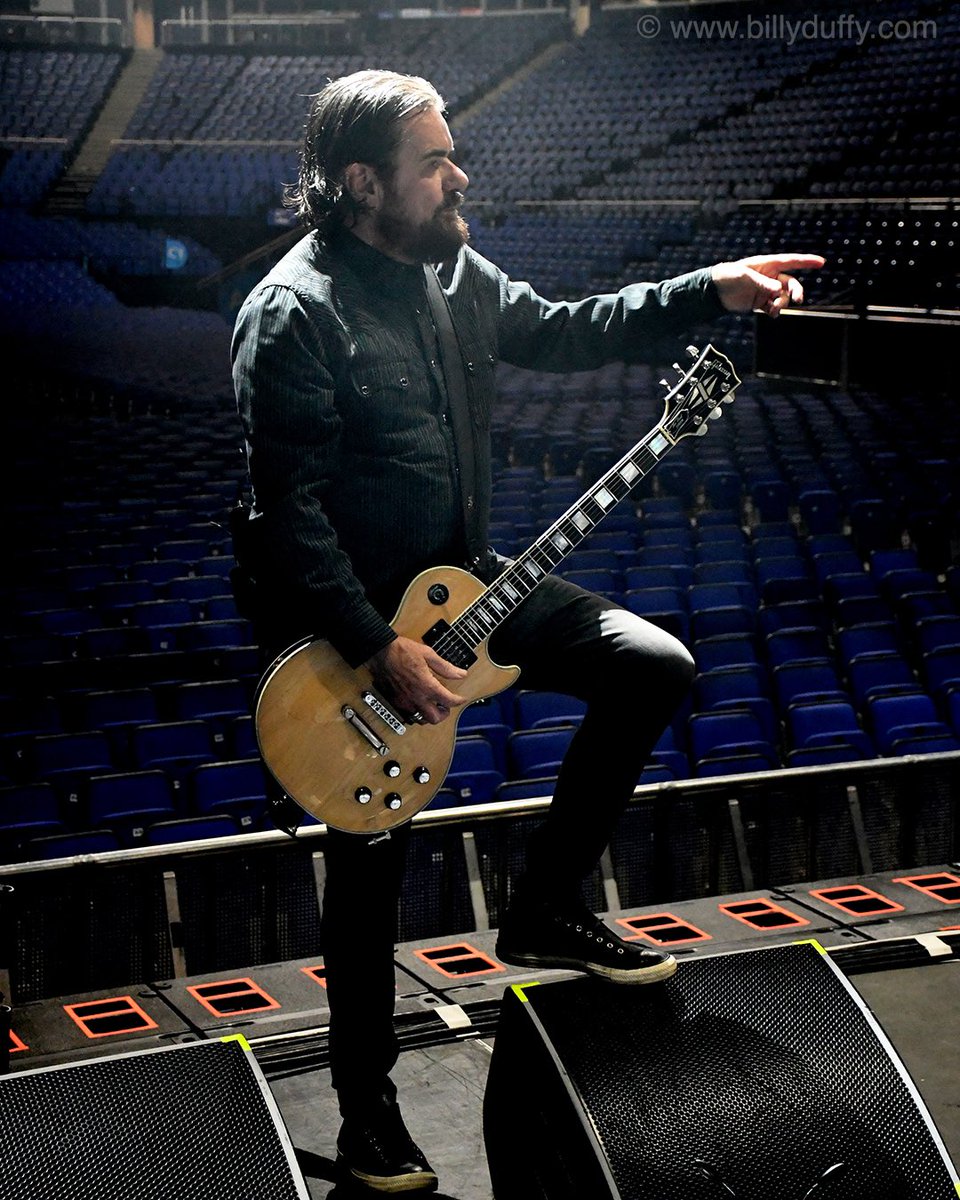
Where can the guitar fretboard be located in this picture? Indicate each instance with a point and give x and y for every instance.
(477, 622)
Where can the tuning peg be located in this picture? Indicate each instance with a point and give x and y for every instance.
(666, 383)
(693, 352)
(679, 370)
(715, 412)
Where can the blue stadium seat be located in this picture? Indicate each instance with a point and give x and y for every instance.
(116, 710)
(721, 620)
(174, 746)
(729, 650)
(236, 787)
(663, 607)
(128, 802)
(537, 752)
(190, 829)
(879, 673)
(738, 763)
(67, 760)
(903, 715)
(799, 614)
(878, 637)
(538, 709)
(216, 701)
(801, 682)
(726, 734)
(241, 740)
(935, 738)
(826, 722)
(799, 644)
(27, 811)
(474, 774)
(596, 579)
(68, 845)
(526, 789)
(824, 755)
(941, 671)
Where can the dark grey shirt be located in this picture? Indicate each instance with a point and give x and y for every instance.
(344, 410)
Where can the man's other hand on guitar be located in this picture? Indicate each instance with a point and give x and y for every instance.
(410, 673)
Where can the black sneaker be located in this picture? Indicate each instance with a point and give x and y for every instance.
(377, 1152)
(576, 939)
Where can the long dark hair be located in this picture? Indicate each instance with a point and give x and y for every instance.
(355, 118)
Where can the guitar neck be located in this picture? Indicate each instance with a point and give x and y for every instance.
(503, 596)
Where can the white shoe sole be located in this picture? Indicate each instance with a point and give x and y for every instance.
(654, 974)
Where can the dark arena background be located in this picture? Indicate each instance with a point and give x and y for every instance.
(796, 838)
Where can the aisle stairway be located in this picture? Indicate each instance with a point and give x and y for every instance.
(68, 195)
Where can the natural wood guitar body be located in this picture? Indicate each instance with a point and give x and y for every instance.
(322, 760)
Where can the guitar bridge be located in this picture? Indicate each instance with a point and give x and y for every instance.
(455, 649)
(386, 715)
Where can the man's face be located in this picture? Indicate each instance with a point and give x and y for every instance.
(418, 219)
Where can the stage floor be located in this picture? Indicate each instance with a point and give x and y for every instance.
(442, 1087)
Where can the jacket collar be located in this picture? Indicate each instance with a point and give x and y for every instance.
(376, 269)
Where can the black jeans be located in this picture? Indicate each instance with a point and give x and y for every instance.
(632, 676)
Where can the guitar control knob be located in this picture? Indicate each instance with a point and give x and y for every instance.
(421, 775)
(391, 769)
(363, 795)
(393, 800)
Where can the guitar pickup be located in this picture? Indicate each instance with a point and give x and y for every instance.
(456, 650)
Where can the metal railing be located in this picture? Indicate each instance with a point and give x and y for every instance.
(168, 911)
(48, 30)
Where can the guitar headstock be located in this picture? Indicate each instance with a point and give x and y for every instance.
(708, 384)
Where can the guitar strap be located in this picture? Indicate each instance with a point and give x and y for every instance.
(451, 359)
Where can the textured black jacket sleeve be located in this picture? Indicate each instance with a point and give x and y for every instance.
(285, 393)
(585, 334)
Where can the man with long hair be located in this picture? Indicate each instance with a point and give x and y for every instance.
(356, 477)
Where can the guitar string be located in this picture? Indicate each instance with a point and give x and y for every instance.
(453, 640)
(538, 553)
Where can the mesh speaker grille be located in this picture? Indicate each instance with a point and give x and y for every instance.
(636, 861)
(935, 814)
(94, 927)
(501, 850)
(248, 908)
(439, 900)
(759, 1065)
(179, 1124)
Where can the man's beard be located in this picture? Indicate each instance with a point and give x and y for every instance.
(431, 241)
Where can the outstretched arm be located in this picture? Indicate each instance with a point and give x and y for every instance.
(763, 283)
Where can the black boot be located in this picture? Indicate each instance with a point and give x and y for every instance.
(375, 1150)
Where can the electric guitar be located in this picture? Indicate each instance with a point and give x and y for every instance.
(339, 747)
